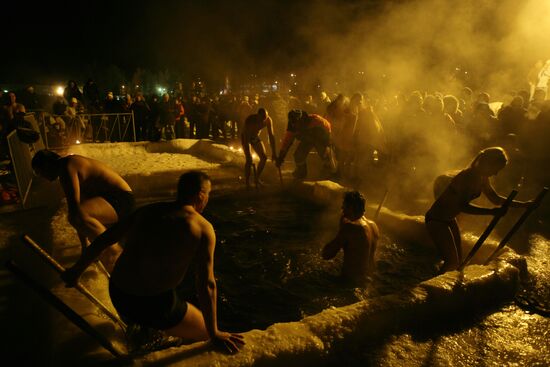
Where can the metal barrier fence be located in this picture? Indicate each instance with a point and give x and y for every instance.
(63, 130)
(21, 156)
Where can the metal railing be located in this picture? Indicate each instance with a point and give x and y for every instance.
(63, 130)
(21, 156)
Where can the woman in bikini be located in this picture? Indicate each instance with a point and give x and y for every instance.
(466, 186)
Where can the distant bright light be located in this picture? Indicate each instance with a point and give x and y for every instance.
(59, 91)
(122, 86)
(5, 91)
(292, 75)
(78, 141)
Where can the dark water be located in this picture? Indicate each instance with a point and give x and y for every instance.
(268, 264)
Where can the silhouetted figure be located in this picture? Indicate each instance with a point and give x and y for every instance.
(97, 196)
(250, 136)
(455, 199)
(162, 241)
(141, 111)
(312, 131)
(358, 237)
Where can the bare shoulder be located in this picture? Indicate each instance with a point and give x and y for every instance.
(374, 227)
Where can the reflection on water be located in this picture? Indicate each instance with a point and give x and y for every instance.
(269, 267)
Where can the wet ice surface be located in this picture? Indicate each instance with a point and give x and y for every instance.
(509, 336)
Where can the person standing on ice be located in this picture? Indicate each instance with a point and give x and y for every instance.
(357, 236)
(250, 136)
(162, 240)
(97, 196)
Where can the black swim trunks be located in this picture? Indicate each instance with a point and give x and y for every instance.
(122, 201)
(161, 312)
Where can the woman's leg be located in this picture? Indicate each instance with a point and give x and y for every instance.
(443, 238)
(457, 240)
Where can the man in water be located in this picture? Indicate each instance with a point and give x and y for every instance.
(313, 131)
(161, 242)
(358, 236)
(97, 196)
(251, 137)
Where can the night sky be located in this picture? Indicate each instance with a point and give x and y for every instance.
(399, 44)
(50, 39)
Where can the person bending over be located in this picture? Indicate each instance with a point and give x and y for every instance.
(357, 236)
(97, 197)
(251, 137)
(162, 240)
(313, 131)
(466, 186)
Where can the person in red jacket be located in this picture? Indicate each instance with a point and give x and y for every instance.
(313, 131)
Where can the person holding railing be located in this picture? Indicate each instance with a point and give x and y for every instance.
(456, 198)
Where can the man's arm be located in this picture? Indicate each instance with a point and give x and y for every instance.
(331, 249)
(285, 146)
(373, 242)
(92, 252)
(206, 282)
(271, 137)
(207, 291)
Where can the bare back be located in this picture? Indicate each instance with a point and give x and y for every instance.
(359, 247)
(94, 177)
(358, 239)
(161, 242)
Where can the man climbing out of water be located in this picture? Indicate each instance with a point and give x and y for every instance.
(251, 137)
(97, 196)
(357, 236)
(161, 241)
(313, 131)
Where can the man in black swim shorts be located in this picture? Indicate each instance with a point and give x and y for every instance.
(97, 197)
(162, 240)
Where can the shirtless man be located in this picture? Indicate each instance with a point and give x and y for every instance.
(97, 196)
(161, 240)
(358, 236)
(251, 137)
(454, 196)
